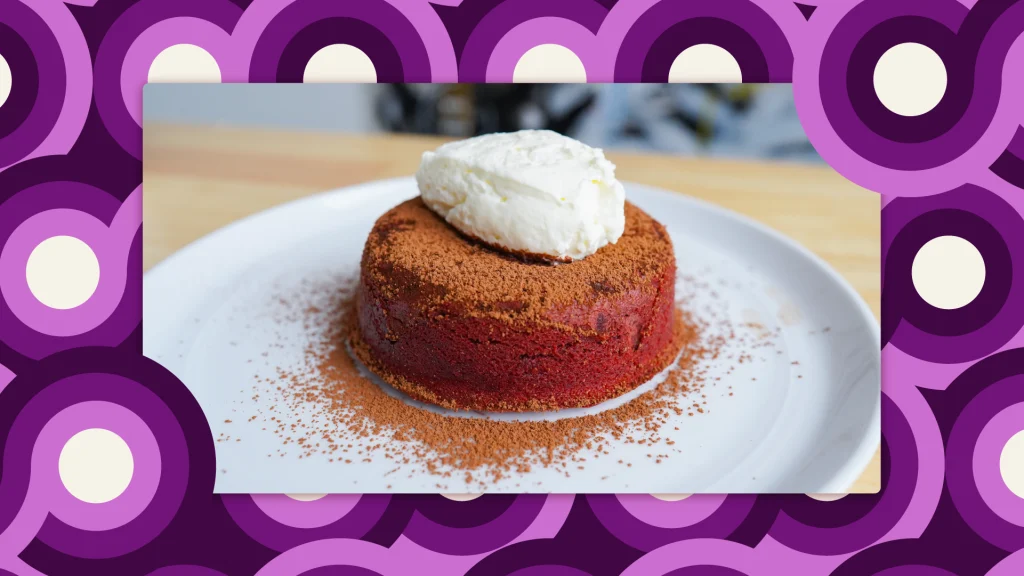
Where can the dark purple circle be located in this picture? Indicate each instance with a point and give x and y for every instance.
(702, 30)
(113, 49)
(904, 298)
(507, 15)
(51, 81)
(963, 438)
(483, 538)
(173, 471)
(264, 65)
(549, 570)
(847, 510)
(453, 514)
(998, 229)
(705, 570)
(889, 504)
(340, 571)
(276, 536)
(111, 332)
(1010, 168)
(144, 387)
(385, 57)
(643, 536)
(860, 79)
(899, 558)
(185, 570)
(23, 204)
(743, 14)
(984, 38)
(24, 80)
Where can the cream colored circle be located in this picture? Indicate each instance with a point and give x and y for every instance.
(705, 63)
(62, 272)
(948, 272)
(671, 497)
(305, 497)
(6, 81)
(549, 63)
(827, 497)
(184, 63)
(96, 465)
(462, 497)
(340, 63)
(1011, 464)
(910, 79)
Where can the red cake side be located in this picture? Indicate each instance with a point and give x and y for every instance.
(454, 323)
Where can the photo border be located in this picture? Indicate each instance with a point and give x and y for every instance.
(953, 376)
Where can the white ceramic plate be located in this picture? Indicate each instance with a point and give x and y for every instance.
(810, 427)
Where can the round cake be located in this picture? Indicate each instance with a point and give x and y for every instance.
(453, 322)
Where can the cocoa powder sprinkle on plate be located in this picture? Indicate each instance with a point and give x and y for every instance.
(347, 417)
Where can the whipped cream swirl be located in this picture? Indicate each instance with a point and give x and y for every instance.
(532, 192)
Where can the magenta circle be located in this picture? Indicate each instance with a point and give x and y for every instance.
(145, 475)
(698, 552)
(167, 33)
(987, 452)
(111, 253)
(77, 75)
(548, 30)
(441, 55)
(664, 514)
(831, 146)
(313, 514)
(333, 552)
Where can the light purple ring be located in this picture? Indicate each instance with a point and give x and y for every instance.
(78, 77)
(987, 452)
(46, 481)
(334, 552)
(548, 30)
(438, 45)
(298, 514)
(698, 552)
(111, 246)
(163, 35)
(678, 514)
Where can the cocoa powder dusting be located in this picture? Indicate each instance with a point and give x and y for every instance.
(347, 417)
(414, 255)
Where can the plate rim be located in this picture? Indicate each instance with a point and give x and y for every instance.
(839, 482)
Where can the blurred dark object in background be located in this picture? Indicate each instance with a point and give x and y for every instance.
(465, 110)
(745, 120)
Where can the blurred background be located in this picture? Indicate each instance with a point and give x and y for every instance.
(724, 120)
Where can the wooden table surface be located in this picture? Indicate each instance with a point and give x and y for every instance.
(197, 179)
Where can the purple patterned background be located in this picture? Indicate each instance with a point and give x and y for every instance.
(953, 384)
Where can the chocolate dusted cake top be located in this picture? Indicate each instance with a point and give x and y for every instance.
(413, 254)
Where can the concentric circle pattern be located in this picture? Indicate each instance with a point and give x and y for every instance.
(108, 466)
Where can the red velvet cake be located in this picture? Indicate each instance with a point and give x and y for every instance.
(455, 323)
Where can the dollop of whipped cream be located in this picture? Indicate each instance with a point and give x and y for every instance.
(533, 192)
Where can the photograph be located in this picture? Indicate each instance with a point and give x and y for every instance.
(512, 288)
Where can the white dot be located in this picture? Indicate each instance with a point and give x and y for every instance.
(305, 497)
(184, 63)
(1011, 464)
(826, 497)
(910, 79)
(62, 272)
(340, 63)
(948, 272)
(549, 63)
(5, 80)
(671, 497)
(96, 465)
(462, 497)
(704, 63)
